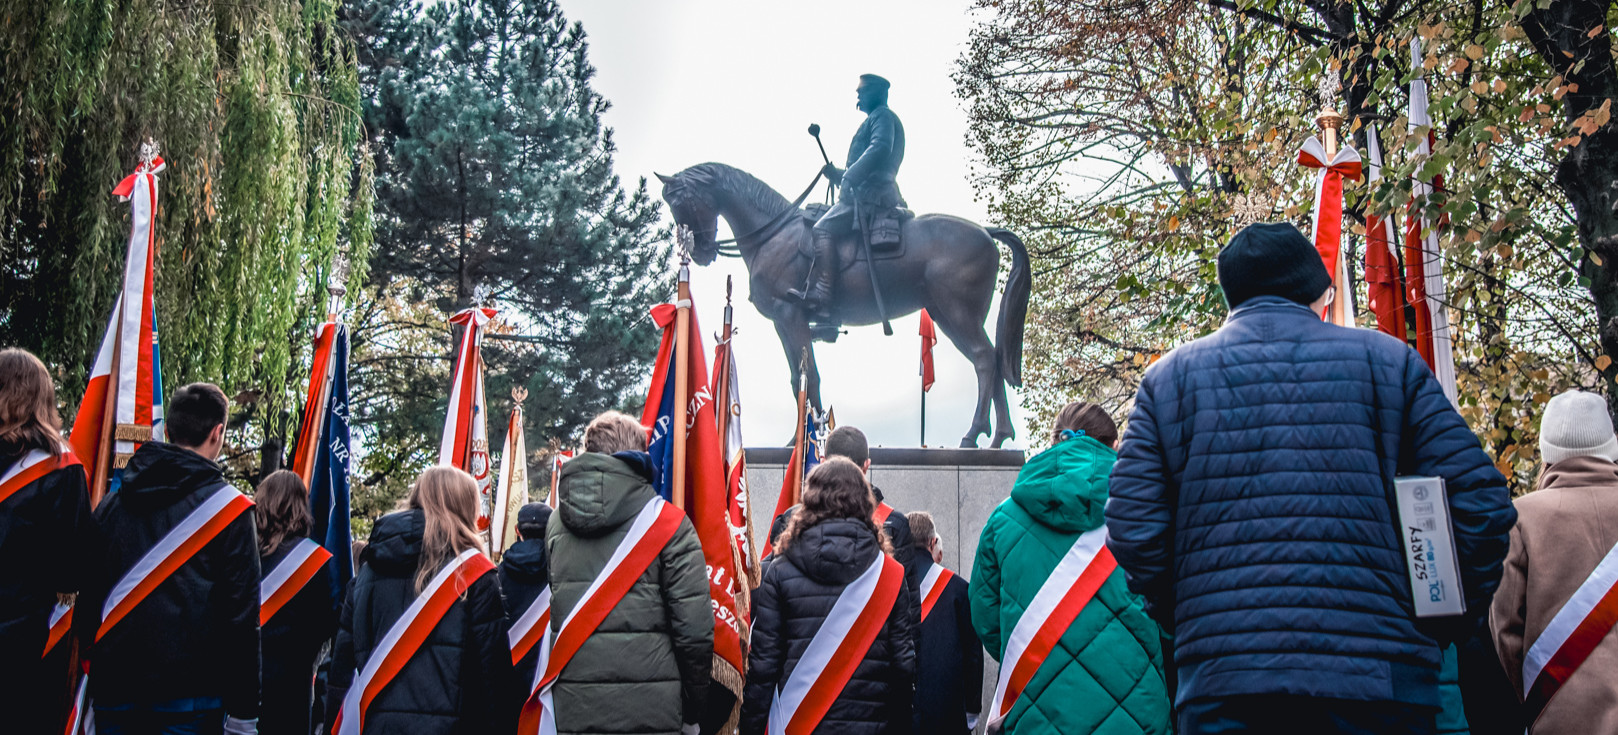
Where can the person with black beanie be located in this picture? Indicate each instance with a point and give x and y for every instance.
(524, 574)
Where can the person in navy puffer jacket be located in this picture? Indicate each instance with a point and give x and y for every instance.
(1252, 507)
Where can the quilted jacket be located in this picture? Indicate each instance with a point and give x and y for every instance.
(789, 606)
(1252, 506)
(1105, 674)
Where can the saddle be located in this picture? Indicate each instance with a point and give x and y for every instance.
(883, 227)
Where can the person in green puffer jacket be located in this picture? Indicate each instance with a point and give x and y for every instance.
(1105, 674)
(646, 668)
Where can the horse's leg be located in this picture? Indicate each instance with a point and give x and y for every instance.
(1002, 412)
(963, 324)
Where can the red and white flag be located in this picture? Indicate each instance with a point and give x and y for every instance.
(314, 406)
(1424, 258)
(741, 509)
(406, 635)
(1328, 215)
(648, 533)
(932, 587)
(1384, 282)
(121, 380)
(1071, 586)
(466, 429)
(1574, 632)
(848, 631)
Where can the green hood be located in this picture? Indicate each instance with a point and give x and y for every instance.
(600, 492)
(1065, 487)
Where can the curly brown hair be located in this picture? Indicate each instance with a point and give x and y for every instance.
(835, 489)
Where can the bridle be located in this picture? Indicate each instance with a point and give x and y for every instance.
(731, 248)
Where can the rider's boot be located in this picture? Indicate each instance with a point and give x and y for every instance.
(824, 268)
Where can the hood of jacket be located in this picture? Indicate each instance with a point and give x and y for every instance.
(395, 546)
(1580, 472)
(835, 551)
(602, 492)
(1065, 487)
(525, 560)
(160, 474)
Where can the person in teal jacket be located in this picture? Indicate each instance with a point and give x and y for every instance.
(1105, 675)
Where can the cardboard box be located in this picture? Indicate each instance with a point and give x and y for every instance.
(1429, 541)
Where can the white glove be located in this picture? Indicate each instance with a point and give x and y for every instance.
(234, 726)
(971, 721)
(694, 728)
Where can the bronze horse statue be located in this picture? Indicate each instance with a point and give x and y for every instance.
(948, 266)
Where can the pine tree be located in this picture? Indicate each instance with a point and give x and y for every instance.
(495, 173)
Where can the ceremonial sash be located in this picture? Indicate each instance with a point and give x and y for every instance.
(61, 622)
(1573, 633)
(932, 587)
(176, 548)
(883, 510)
(406, 635)
(1071, 586)
(31, 467)
(81, 718)
(648, 533)
(837, 648)
(290, 577)
(534, 625)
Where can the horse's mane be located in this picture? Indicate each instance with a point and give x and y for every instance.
(738, 182)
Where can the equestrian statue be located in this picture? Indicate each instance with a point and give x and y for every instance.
(863, 259)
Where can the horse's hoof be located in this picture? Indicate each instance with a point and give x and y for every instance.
(1000, 439)
(970, 442)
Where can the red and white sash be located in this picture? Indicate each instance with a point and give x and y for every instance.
(648, 533)
(290, 577)
(1071, 586)
(932, 587)
(837, 648)
(883, 510)
(33, 465)
(1573, 633)
(407, 634)
(61, 623)
(532, 629)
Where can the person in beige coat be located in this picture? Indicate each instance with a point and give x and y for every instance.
(1564, 529)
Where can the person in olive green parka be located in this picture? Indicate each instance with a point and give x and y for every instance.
(1105, 675)
(646, 668)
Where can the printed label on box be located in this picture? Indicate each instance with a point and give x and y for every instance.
(1429, 541)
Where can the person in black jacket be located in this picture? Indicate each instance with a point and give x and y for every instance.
(949, 657)
(291, 640)
(524, 573)
(45, 530)
(186, 659)
(460, 681)
(828, 543)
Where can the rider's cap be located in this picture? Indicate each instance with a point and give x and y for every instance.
(875, 81)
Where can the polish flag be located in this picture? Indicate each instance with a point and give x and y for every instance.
(465, 443)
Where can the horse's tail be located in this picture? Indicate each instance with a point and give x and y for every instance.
(1008, 332)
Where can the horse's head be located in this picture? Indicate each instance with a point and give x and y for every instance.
(693, 206)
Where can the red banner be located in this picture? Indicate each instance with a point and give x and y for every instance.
(929, 338)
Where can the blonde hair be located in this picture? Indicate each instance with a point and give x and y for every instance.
(614, 432)
(922, 530)
(448, 498)
(28, 403)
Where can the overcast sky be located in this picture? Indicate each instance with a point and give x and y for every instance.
(739, 82)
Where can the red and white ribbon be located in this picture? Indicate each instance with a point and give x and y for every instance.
(35, 464)
(1071, 586)
(648, 533)
(81, 718)
(174, 550)
(532, 629)
(61, 623)
(289, 577)
(1328, 220)
(932, 587)
(836, 649)
(1572, 635)
(406, 636)
(880, 515)
(465, 443)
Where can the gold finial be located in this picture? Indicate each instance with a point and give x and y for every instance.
(1329, 119)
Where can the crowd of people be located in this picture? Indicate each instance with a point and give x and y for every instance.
(1233, 561)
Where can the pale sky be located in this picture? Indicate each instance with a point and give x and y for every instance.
(739, 82)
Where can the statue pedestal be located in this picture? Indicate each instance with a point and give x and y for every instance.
(959, 487)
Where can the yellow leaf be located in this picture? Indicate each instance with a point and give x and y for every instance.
(1480, 87)
(1474, 52)
(1603, 362)
(1174, 223)
(1595, 258)
(1499, 86)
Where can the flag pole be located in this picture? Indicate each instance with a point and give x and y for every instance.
(923, 417)
(798, 442)
(722, 390)
(109, 412)
(682, 366)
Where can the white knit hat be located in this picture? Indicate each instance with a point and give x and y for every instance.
(1576, 424)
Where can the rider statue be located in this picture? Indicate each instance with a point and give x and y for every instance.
(867, 186)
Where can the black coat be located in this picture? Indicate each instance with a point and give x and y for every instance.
(460, 680)
(291, 642)
(196, 634)
(949, 657)
(797, 593)
(524, 573)
(45, 537)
